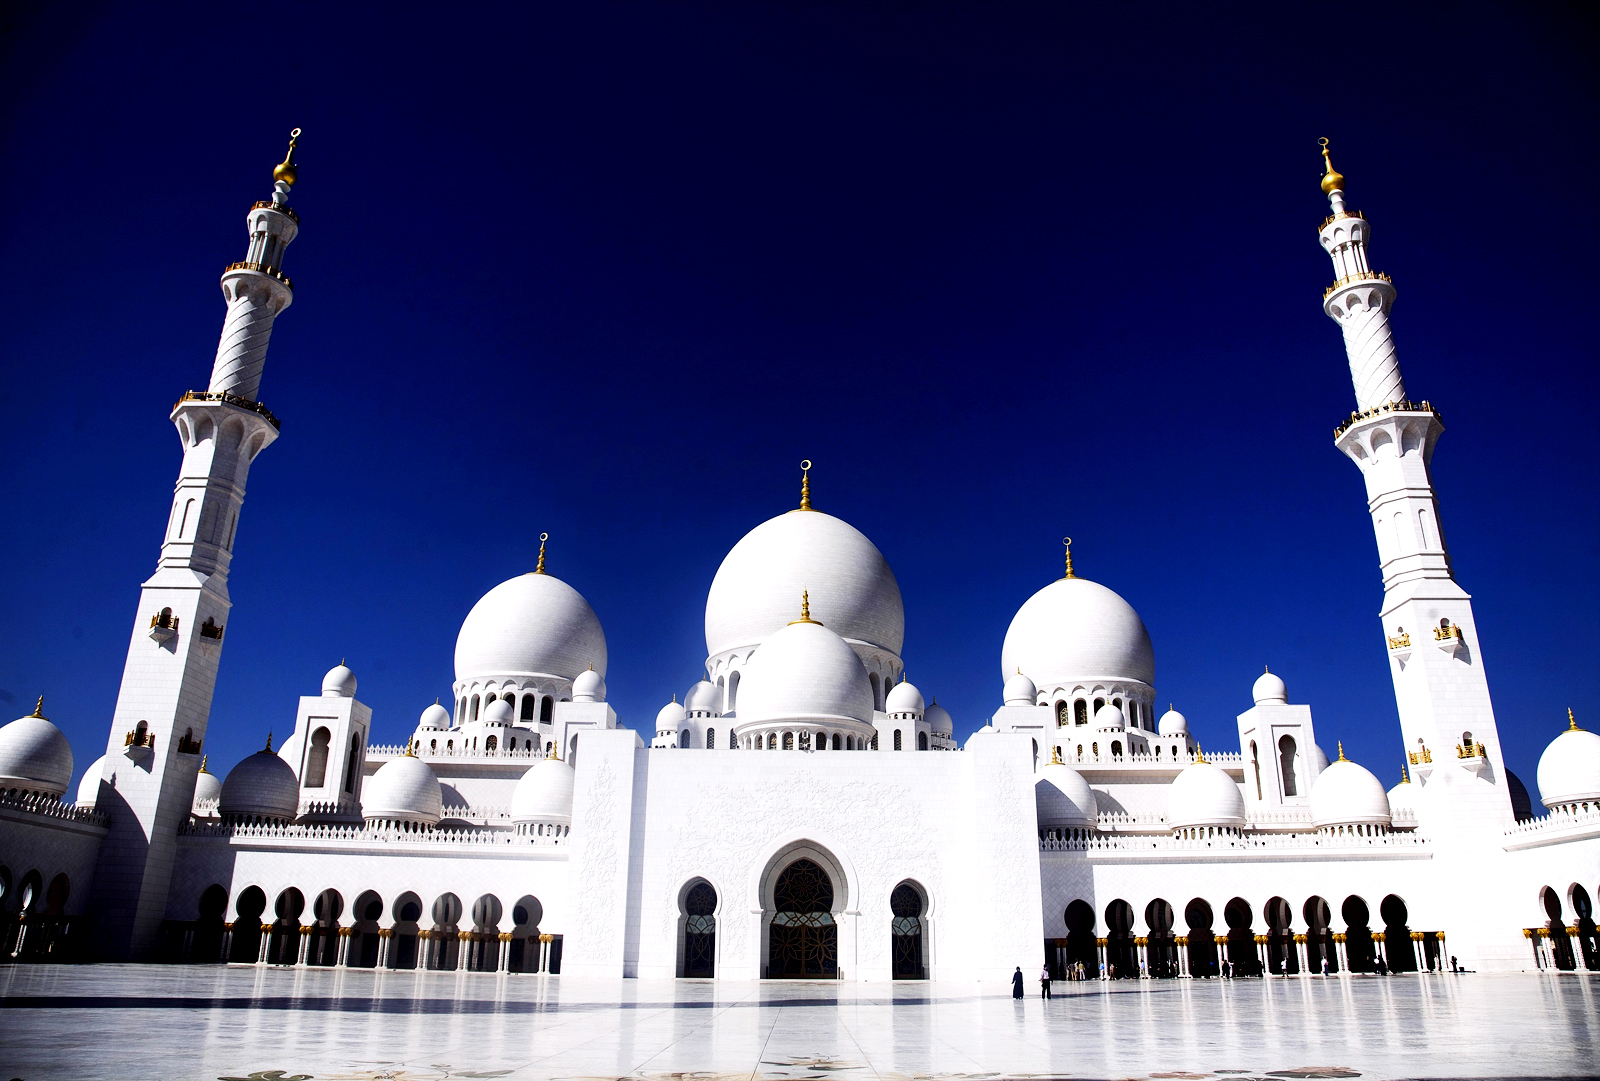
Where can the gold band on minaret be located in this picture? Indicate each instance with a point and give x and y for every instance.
(540, 568)
(805, 485)
(1068, 542)
(288, 171)
(1332, 180)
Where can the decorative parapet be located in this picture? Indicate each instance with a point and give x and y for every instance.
(1126, 823)
(1078, 840)
(1565, 822)
(368, 833)
(395, 750)
(1358, 276)
(1281, 820)
(50, 807)
(268, 204)
(228, 399)
(262, 268)
(1138, 760)
(1402, 641)
(1331, 218)
(1378, 411)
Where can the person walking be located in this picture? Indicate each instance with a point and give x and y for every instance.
(1016, 983)
(1044, 982)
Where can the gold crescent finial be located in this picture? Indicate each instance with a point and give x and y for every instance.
(1572, 722)
(38, 709)
(1068, 542)
(1332, 180)
(805, 485)
(288, 171)
(540, 568)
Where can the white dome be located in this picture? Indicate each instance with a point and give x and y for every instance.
(1402, 797)
(340, 682)
(590, 686)
(670, 715)
(1109, 718)
(499, 712)
(1269, 690)
(904, 697)
(1064, 798)
(207, 793)
(939, 721)
(704, 697)
(89, 783)
(1074, 630)
(805, 672)
(1173, 723)
(852, 589)
(1569, 769)
(262, 785)
(1203, 795)
(404, 789)
(533, 625)
(434, 717)
(35, 756)
(1019, 691)
(1347, 794)
(544, 794)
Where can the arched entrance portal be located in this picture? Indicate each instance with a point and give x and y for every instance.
(803, 943)
(700, 931)
(906, 904)
(1081, 946)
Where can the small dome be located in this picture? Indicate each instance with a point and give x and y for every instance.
(1020, 691)
(805, 672)
(404, 789)
(1203, 795)
(35, 756)
(532, 625)
(434, 717)
(499, 712)
(1074, 630)
(1402, 797)
(1173, 723)
(670, 716)
(261, 786)
(1346, 794)
(1063, 798)
(704, 697)
(340, 682)
(1569, 769)
(1269, 690)
(904, 697)
(544, 794)
(939, 721)
(89, 784)
(590, 686)
(1109, 718)
(207, 793)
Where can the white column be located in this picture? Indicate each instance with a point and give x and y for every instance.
(463, 950)
(344, 948)
(385, 937)
(1344, 954)
(1303, 955)
(227, 942)
(266, 943)
(304, 950)
(1183, 956)
(504, 964)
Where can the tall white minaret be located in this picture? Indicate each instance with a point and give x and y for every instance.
(157, 732)
(1446, 716)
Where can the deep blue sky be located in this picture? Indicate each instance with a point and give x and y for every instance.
(612, 270)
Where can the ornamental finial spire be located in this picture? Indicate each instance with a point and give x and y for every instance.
(1332, 179)
(287, 172)
(269, 742)
(203, 763)
(38, 709)
(1572, 722)
(805, 485)
(1199, 755)
(540, 568)
(1342, 758)
(805, 607)
(1068, 542)
(1405, 778)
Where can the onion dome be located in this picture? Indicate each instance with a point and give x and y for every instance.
(939, 720)
(35, 756)
(1109, 718)
(805, 672)
(1063, 798)
(904, 697)
(1332, 179)
(544, 794)
(1569, 769)
(532, 625)
(704, 697)
(1019, 690)
(1203, 795)
(89, 784)
(1346, 794)
(261, 786)
(1172, 723)
(435, 717)
(670, 716)
(404, 789)
(851, 585)
(1074, 630)
(1402, 797)
(498, 712)
(340, 682)
(207, 793)
(1269, 690)
(590, 686)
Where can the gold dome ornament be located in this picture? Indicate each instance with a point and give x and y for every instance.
(287, 171)
(1068, 542)
(805, 485)
(539, 569)
(805, 609)
(1332, 180)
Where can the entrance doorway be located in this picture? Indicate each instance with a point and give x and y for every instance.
(700, 931)
(803, 942)
(906, 931)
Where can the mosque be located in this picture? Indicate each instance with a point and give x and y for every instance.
(803, 812)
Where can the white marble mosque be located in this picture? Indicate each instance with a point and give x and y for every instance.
(522, 829)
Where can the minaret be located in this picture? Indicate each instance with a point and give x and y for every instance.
(154, 750)
(1446, 716)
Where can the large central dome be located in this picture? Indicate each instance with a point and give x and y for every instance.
(532, 625)
(853, 591)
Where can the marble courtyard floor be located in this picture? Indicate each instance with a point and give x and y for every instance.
(131, 1022)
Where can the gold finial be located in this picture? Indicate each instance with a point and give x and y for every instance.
(269, 742)
(1199, 755)
(1572, 722)
(203, 763)
(1265, 670)
(38, 709)
(805, 485)
(408, 753)
(1342, 758)
(542, 538)
(288, 171)
(1068, 542)
(805, 608)
(1055, 757)
(1405, 778)
(1332, 180)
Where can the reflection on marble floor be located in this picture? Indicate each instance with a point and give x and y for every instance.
(174, 1023)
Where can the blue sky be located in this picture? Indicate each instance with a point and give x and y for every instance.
(611, 270)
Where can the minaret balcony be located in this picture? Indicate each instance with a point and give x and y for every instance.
(1473, 756)
(1400, 645)
(164, 626)
(1447, 636)
(228, 399)
(1348, 279)
(271, 272)
(211, 631)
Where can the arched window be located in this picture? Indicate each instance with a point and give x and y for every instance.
(1080, 712)
(1094, 748)
(1255, 765)
(547, 710)
(352, 765)
(530, 703)
(1098, 702)
(1063, 713)
(877, 691)
(897, 739)
(711, 739)
(683, 738)
(490, 698)
(1116, 749)
(433, 745)
(461, 711)
(805, 741)
(849, 743)
(772, 741)
(474, 713)
(788, 741)
(1466, 740)
(838, 744)
(1286, 763)
(874, 741)
(922, 741)
(317, 759)
(491, 744)
(733, 692)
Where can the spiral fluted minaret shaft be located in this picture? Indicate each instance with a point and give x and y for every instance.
(1374, 368)
(242, 352)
